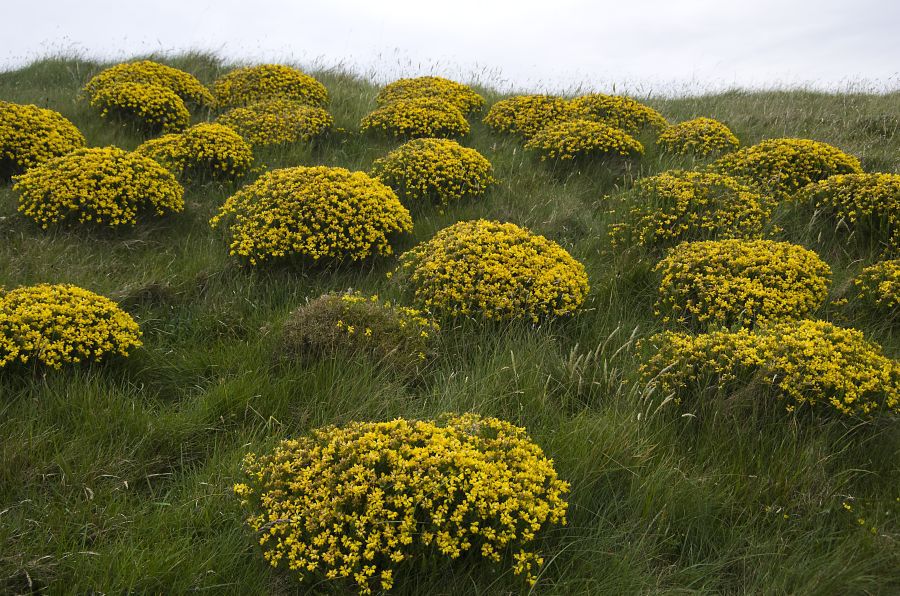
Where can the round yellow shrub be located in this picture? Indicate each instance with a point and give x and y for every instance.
(151, 107)
(315, 212)
(418, 117)
(252, 84)
(618, 111)
(355, 502)
(277, 121)
(572, 139)
(740, 282)
(183, 84)
(678, 206)
(527, 114)
(700, 136)
(105, 186)
(202, 150)
(878, 287)
(497, 270)
(461, 96)
(62, 324)
(781, 167)
(438, 170)
(809, 364)
(30, 135)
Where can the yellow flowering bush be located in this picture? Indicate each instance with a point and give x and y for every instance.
(807, 362)
(462, 96)
(252, 84)
(202, 150)
(781, 167)
(740, 282)
(878, 286)
(315, 212)
(62, 324)
(438, 170)
(700, 136)
(105, 186)
(356, 502)
(679, 205)
(572, 139)
(497, 270)
(151, 107)
(277, 121)
(183, 84)
(30, 135)
(417, 117)
(618, 111)
(527, 114)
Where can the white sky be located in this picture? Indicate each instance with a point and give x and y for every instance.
(649, 46)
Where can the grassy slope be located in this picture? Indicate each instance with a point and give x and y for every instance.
(117, 477)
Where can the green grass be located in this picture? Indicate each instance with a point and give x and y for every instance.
(116, 477)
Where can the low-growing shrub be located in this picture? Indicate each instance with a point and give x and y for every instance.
(277, 121)
(30, 135)
(152, 108)
(618, 111)
(700, 136)
(878, 288)
(437, 170)
(201, 151)
(358, 501)
(527, 114)
(252, 84)
(418, 117)
(809, 363)
(497, 270)
(183, 84)
(105, 186)
(572, 139)
(740, 282)
(462, 96)
(314, 212)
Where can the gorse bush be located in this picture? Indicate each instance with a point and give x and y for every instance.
(461, 96)
(572, 139)
(781, 167)
(252, 84)
(314, 212)
(618, 111)
(277, 121)
(152, 108)
(359, 501)
(497, 270)
(201, 151)
(809, 363)
(62, 324)
(700, 136)
(740, 282)
(417, 117)
(436, 170)
(527, 114)
(30, 135)
(105, 186)
(679, 205)
(878, 287)
(183, 84)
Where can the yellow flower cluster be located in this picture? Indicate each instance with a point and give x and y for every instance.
(808, 362)
(740, 282)
(438, 170)
(183, 84)
(104, 186)
(30, 135)
(618, 111)
(358, 501)
(870, 203)
(277, 121)
(497, 270)
(151, 107)
(572, 139)
(679, 205)
(62, 324)
(781, 167)
(461, 96)
(878, 286)
(527, 114)
(417, 117)
(700, 136)
(202, 150)
(315, 212)
(252, 84)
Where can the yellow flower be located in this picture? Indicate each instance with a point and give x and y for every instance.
(277, 121)
(252, 84)
(30, 136)
(202, 150)
(700, 136)
(618, 111)
(527, 114)
(146, 72)
(462, 96)
(583, 138)
(417, 117)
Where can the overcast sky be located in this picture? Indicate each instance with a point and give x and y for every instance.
(650, 46)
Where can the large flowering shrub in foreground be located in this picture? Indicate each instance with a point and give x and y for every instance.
(277, 121)
(200, 151)
(462, 96)
(183, 84)
(740, 282)
(807, 362)
(315, 212)
(30, 135)
(104, 186)
(62, 324)
(572, 139)
(618, 111)
(251, 84)
(527, 114)
(359, 501)
(417, 117)
(150, 107)
(700, 136)
(438, 170)
(496, 270)
(878, 287)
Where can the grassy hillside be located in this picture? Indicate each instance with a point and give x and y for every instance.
(117, 477)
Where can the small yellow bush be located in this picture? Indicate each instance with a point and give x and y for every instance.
(462, 96)
(358, 501)
(527, 114)
(572, 139)
(151, 107)
(418, 117)
(878, 286)
(183, 84)
(277, 121)
(618, 111)
(104, 186)
(316, 212)
(438, 170)
(30, 135)
(700, 136)
(252, 84)
(202, 150)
